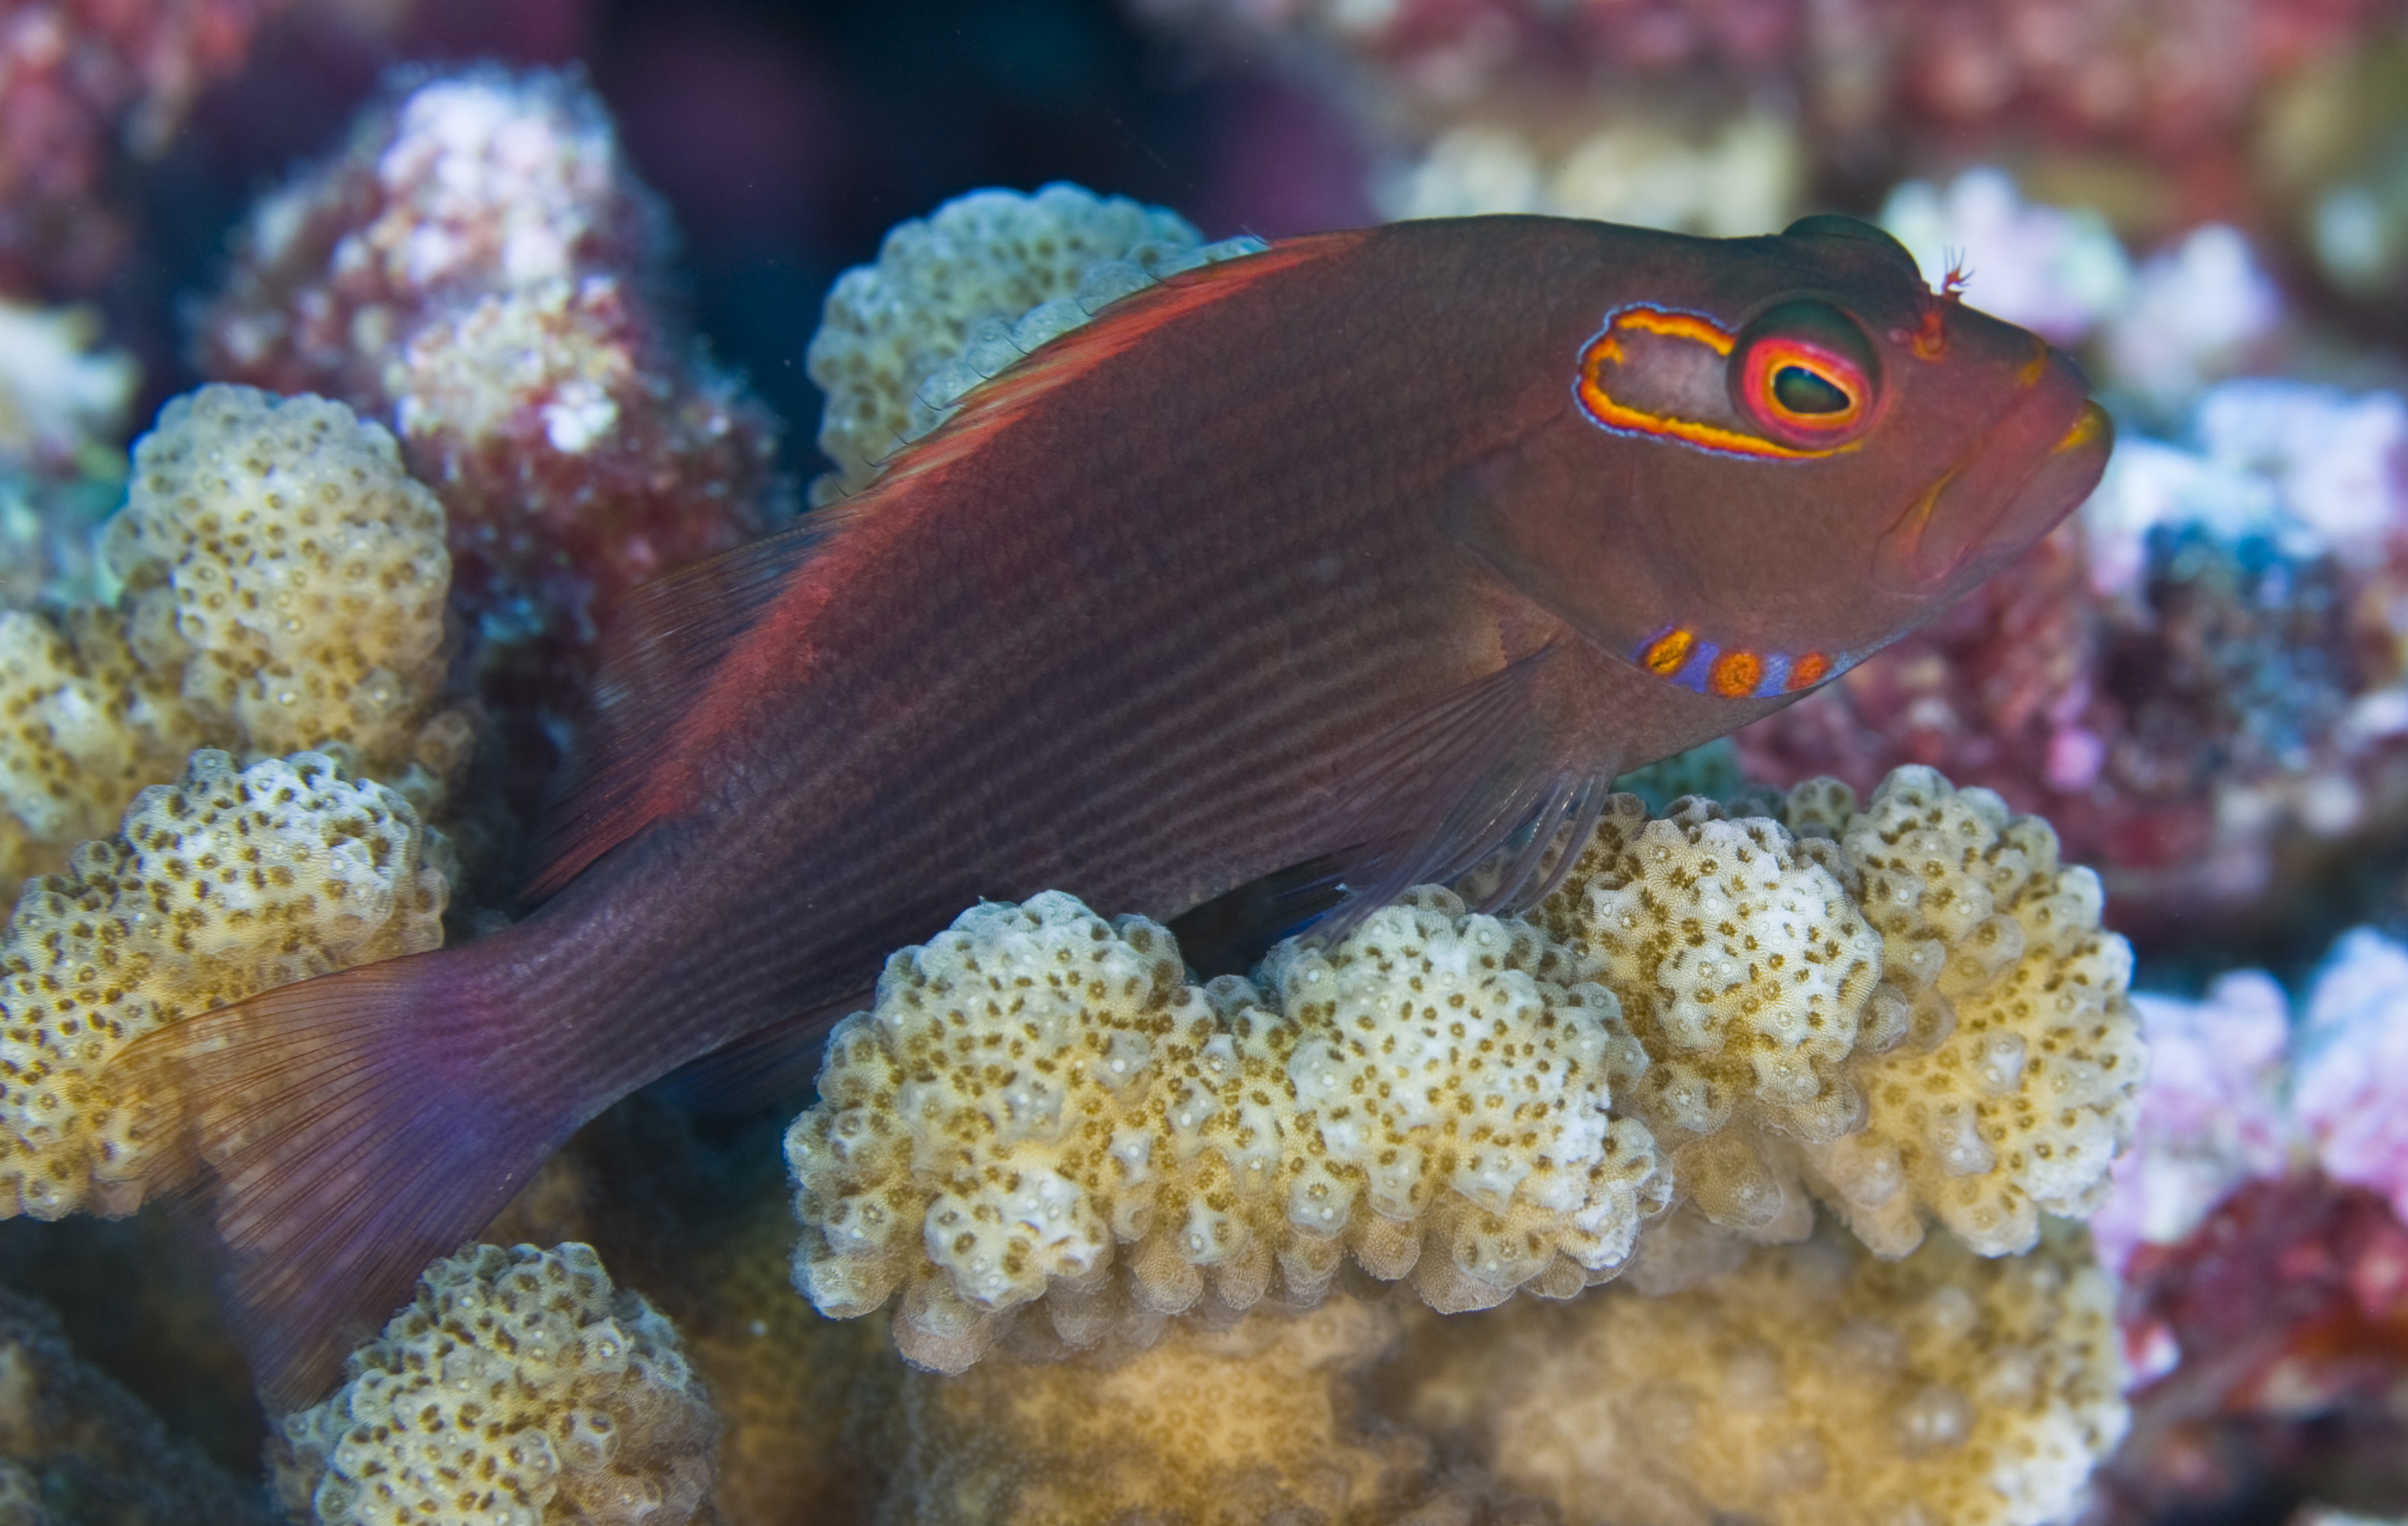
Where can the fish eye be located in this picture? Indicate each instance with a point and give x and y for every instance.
(1804, 373)
(1802, 390)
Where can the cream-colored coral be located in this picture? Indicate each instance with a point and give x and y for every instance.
(1742, 178)
(1209, 1428)
(957, 296)
(284, 581)
(2017, 1084)
(1744, 969)
(222, 883)
(84, 725)
(1910, 1009)
(277, 549)
(519, 1388)
(1039, 1107)
(1814, 1384)
(1458, 1070)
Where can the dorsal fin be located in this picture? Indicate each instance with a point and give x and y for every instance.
(668, 635)
(1012, 394)
(1468, 775)
(665, 688)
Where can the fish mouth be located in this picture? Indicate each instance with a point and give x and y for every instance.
(2026, 472)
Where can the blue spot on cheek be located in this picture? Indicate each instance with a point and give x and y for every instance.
(1693, 672)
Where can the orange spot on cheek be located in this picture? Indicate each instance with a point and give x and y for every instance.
(1665, 654)
(1807, 670)
(1736, 675)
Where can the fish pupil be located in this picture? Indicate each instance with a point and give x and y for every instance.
(1800, 390)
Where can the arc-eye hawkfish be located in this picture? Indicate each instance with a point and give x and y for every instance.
(1332, 568)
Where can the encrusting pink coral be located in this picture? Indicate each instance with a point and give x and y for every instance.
(2274, 1339)
(2211, 1112)
(2351, 1074)
(79, 79)
(481, 271)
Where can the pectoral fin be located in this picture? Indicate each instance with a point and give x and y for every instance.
(1444, 789)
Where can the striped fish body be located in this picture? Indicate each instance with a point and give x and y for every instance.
(1322, 556)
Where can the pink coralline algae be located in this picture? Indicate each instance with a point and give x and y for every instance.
(2273, 1348)
(2351, 1085)
(82, 82)
(2211, 1112)
(2238, 1090)
(2153, 73)
(2096, 66)
(2154, 79)
(481, 270)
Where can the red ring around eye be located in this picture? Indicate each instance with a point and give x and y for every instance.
(1761, 373)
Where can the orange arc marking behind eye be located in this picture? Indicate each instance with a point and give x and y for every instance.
(1678, 325)
(1600, 406)
(1736, 675)
(1667, 653)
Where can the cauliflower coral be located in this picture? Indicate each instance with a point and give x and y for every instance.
(1746, 973)
(518, 1388)
(1907, 1010)
(223, 884)
(1219, 1428)
(283, 589)
(1040, 1107)
(1812, 1383)
(2018, 1079)
(957, 296)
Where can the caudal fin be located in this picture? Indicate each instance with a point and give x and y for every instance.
(342, 1133)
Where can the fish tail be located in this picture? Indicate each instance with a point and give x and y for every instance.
(338, 1135)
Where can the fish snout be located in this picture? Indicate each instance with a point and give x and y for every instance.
(2028, 471)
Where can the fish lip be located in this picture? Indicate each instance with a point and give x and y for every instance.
(2001, 494)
